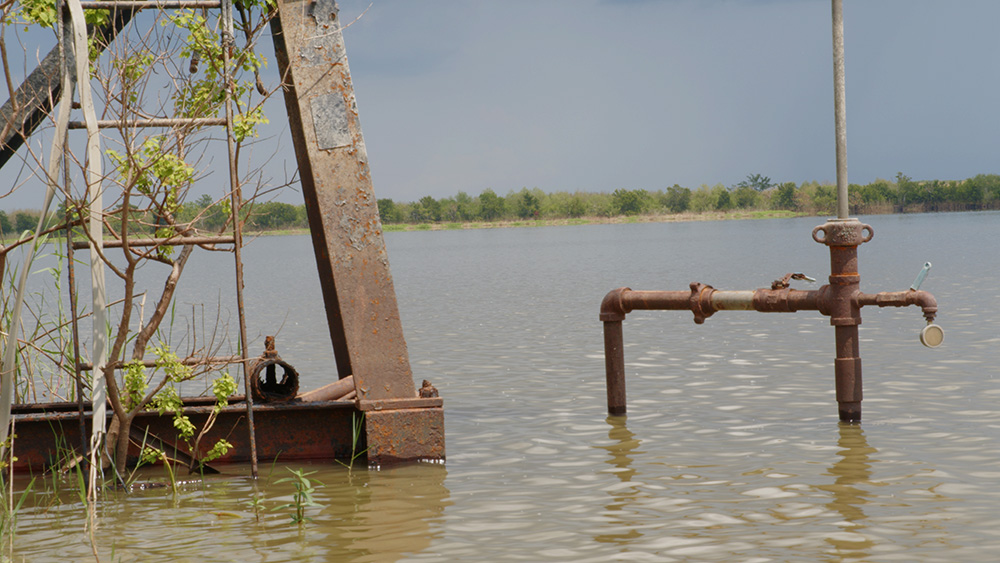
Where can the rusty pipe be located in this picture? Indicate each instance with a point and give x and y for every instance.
(705, 300)
(702, 300)
(922, 299)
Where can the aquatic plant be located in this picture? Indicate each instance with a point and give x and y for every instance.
(303, 496)
(357, 425)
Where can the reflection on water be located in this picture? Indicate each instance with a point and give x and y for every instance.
(624, 445)
(853, 472)
(731, 450)
(360, 515)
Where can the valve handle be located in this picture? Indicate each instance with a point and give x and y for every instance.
(920, 277)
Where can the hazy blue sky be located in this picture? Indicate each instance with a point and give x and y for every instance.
(594, 95)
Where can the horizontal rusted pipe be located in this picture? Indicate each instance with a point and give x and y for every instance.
(922, 299)
(622, 301)
(706, 300)
(337, 390)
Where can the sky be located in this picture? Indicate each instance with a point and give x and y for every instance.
(596, 95)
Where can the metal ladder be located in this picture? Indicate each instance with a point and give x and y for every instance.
(127, 8)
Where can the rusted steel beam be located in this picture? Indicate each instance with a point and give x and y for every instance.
(34, 99)
(360, 299)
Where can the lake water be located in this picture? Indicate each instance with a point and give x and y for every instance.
(731, 450)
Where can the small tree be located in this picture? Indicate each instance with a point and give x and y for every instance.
(785, 197)
(527, 204)
(629, 202)
(491, 205)
(175, 71)
(677, 199)
(756, 182)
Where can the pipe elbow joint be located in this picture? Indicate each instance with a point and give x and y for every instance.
(927, 303)
(613, 306)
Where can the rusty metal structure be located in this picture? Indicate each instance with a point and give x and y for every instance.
(841, 299)
(373, 380)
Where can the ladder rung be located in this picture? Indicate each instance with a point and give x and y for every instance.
(175, 241)
(141, 4)
(163, 122)
(208, 360)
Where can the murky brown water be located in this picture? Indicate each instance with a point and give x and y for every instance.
(731, 450)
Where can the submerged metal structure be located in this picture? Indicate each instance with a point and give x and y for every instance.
(841, 299)
(373, 380)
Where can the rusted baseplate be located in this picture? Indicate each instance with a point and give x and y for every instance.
(394, 431)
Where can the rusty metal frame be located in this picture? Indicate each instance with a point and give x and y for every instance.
(358, 292)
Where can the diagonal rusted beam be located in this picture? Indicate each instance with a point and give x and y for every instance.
(34, 99)
(343, 216)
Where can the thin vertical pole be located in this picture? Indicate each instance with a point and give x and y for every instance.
(74, 320)
(839, 107)
(236, 199)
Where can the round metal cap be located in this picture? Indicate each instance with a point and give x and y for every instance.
(932, 336)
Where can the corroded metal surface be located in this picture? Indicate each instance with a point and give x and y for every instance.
(343, 215)
(46, 434)
(404, 435)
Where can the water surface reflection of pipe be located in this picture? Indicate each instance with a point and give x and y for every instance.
(623, 446)
(853, 472)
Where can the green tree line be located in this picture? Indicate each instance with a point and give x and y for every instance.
(205, 214)
(755, 193)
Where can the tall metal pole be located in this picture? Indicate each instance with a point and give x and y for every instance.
(839, 107)
(236, 200)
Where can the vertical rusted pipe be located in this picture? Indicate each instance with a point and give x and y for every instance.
(847, 371)
(841, 303)
(614, 365)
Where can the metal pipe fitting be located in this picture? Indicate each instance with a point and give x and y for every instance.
(922, 299)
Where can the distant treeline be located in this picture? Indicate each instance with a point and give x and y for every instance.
(206, 214)
(904, 195)
(756, 193)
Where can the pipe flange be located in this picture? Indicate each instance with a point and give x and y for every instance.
(846, 232)
(701, 301)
